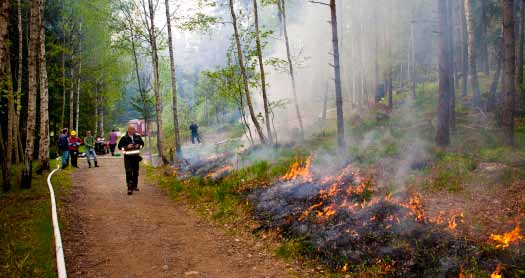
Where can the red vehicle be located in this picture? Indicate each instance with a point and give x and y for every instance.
(141, 126)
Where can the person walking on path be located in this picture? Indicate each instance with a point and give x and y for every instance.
(130, 145)
(113, 137)
(63, 147)
(74, 143)
(89, 141)
(195, 133)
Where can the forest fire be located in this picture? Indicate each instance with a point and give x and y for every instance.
(506, 239)
(299, 170)
(348, 221)
(497, 272)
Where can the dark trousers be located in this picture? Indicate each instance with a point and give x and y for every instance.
(131, 164)
(74, 158)
(112, 148)
(195, 136)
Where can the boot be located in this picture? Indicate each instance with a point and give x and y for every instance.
(96, 164)
(89, 164)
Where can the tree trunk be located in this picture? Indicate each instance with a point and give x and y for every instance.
(325, 102)
(32, 94)
(492, 103)
(520, 47)
(338, 90)
(64, 90)
(469, 13)
(443, 129)
(244, 76)
(71, 95)
(173, 83)
(6, 73)
(18, 96)
(79, 74)
(507, 111)
(484, 52)
(263, 75)
(464, 49)
(452, 95)
(96, 107)
(155, 65)
(143, 96)
(11, 114)
(4, 23)
(5, 168)
(43, 151)
(413, 58)
(101, 116)
(282, 7)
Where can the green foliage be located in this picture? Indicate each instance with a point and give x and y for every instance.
(451, 171)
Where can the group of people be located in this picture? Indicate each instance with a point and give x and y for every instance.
(129, 144)
(69, 144)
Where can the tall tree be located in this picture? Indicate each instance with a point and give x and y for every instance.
(4, 23)
(64, 90)
(483, 43)
(242, 67)
(173, 82)
(263, 74)
(469, 14)
(5, 78)
(337, 72)
(443, 111)
(156, 81)
(32, 59)
(79, 75)
(509, 73)
(464, 49)
(521, 36)
(43, 152)
(282, 8)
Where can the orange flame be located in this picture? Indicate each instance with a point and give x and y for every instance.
(299, 169)
(506, 239)
(219, 171)
(497, 272)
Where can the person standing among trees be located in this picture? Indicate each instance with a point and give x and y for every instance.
(89, 140)
(63, 147)
(195, 133)
(74, 143)
(113, 137)
(130, 144)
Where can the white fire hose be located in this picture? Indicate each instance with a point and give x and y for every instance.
(61, 263)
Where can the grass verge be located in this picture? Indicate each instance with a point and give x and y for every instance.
(27, 242)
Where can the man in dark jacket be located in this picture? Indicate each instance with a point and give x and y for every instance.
(130, 145)
(63, 147)
(195, 133)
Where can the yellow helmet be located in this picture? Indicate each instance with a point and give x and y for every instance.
(73, 133)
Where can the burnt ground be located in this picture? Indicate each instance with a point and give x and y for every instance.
(110, 234)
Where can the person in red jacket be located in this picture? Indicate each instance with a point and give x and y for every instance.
(74, 143)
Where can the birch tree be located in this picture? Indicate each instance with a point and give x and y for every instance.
(263, 74)
(32, 58)
(240, 59)
(43, 152)
(173, 82)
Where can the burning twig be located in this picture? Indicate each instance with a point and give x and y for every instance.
(506, 239)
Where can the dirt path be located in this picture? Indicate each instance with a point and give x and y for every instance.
(148, 235)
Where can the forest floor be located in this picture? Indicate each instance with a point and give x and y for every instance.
(111, 234)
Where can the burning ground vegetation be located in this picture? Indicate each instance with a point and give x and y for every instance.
(344, 220)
